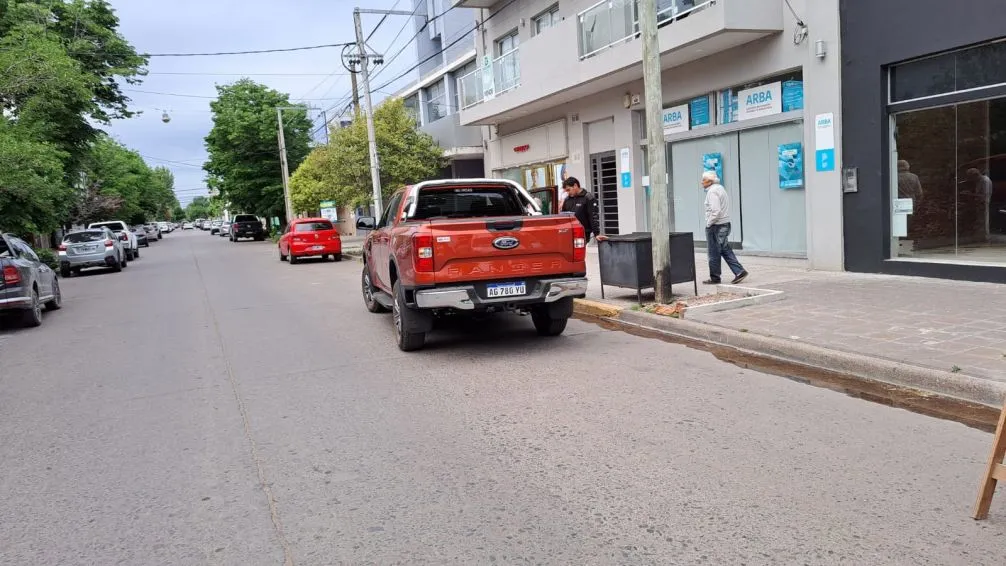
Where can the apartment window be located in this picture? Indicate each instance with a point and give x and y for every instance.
(507, 43)
(412, 107)
(545, 20)
(436, 102)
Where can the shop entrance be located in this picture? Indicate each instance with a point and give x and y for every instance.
(604, 184)
(767, 213)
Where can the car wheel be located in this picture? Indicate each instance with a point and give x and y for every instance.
(75, 271)
(293, 258)
(547, 325)
(65, 272)
(129, 257)
(136, 254)
(259, 238)
(281, 256)
(336, 257)
(368, 294)
(56, 302)
(402, 314)
(32, 317)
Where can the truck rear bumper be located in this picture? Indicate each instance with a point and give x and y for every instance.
(465, 297)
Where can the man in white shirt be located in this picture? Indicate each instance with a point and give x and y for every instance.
(718, 230)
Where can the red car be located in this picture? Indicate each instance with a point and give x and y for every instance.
(307, 237)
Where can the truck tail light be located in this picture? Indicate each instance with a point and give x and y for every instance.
(109, 243)
(11, 276)
(579, 243)
(124, 237)
(423, 246)
(61, 248)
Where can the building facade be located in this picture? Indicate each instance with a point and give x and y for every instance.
(445, 46)
(559, 91)
(925, 138)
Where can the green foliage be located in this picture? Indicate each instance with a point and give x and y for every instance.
(46, 256)
(177, 213)
(341, 170)
(32, 194)
(244, 164)
(198, 208)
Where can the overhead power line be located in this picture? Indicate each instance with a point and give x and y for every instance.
(210, 74)
(249, 52)
(183, 95)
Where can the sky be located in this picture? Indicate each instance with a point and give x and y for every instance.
(199, 26)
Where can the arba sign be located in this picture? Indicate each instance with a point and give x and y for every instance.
(759, 101)
(675, 119)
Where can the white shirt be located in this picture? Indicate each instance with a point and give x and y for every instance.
(717, 205)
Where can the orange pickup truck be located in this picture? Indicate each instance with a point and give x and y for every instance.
(471, 246)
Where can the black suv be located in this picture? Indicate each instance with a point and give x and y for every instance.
(247, 226)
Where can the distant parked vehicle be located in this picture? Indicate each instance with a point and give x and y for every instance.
(215, 227)
(166, 227)
(97, 247)
(153, 233)
(247, 226)
(306, 237)
(187, 226)
(27, 283)
(141, 236)
(225, 229)
(122, 231)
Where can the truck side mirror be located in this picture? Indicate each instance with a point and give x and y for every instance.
(366, 223)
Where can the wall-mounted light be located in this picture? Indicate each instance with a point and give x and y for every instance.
(820, 49)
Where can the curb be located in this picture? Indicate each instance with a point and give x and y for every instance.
(943, 383)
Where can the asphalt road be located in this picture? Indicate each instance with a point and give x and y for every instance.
(211, 405)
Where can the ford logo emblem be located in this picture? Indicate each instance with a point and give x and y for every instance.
(506, 243)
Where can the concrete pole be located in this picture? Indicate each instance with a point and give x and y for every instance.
(661, 207)
(356, 94)
(284, 166)
(375, 169)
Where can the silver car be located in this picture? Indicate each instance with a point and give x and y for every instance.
(95, 247)
(225, 229)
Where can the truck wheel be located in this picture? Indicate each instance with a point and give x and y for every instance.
(546, 325)
(65, 272)
(407, 341)
(368, 293)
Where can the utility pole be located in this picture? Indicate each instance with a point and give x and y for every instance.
(363, 56)
(284, 166)
(356, 95)
(661, 207)
(283, 163)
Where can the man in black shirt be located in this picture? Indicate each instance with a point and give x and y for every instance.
(583, 205)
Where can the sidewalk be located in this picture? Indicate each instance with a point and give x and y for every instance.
(949, 326)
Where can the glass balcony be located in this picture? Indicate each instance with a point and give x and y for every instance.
(612, 22)
(479, 85)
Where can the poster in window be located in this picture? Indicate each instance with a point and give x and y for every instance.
(791, 166)
(713, 162)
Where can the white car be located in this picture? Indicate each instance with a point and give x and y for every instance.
(165, 227)
(124, 234)
(187, 226)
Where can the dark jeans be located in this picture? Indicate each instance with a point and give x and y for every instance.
(718, 247)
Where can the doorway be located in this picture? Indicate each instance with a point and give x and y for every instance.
(604, 181)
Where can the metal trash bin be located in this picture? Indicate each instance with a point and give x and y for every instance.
(626, 260)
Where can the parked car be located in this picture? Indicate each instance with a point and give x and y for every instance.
(187, 226)
(97, 247)
(27, 283)
(166, 227)
(225, 229)
(151, 231)
(215, 226)
(141, 236)
(307, 237)
(471, 246)
(122, 231)
(247, 226)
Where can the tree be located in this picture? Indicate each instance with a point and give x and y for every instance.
(177, 213)
(198, 208)
(120, 173)
(31, 176)
(341, 170)
(244, 162)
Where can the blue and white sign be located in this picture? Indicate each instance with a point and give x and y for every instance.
(824, 142)
(713, 162)
(699, 110)
(791, 165)
(759, 101)
(675, 119)
(792, 96)
(625, 167)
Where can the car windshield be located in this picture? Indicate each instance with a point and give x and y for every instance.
(313, 226)
(467, 202)
(84, 237)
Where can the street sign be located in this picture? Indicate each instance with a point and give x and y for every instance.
(329, 211)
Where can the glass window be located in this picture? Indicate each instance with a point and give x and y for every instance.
(84, 237)
(545, 20)
(436, 102)
(948, 183)
(507, 43)
(313, 226)
(966, 69)
(24, 250)
(392, 206)
(467, 202)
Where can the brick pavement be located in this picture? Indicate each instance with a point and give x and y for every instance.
(935, 323)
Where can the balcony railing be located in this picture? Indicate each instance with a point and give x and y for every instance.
(612, 22)
(478, 85)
